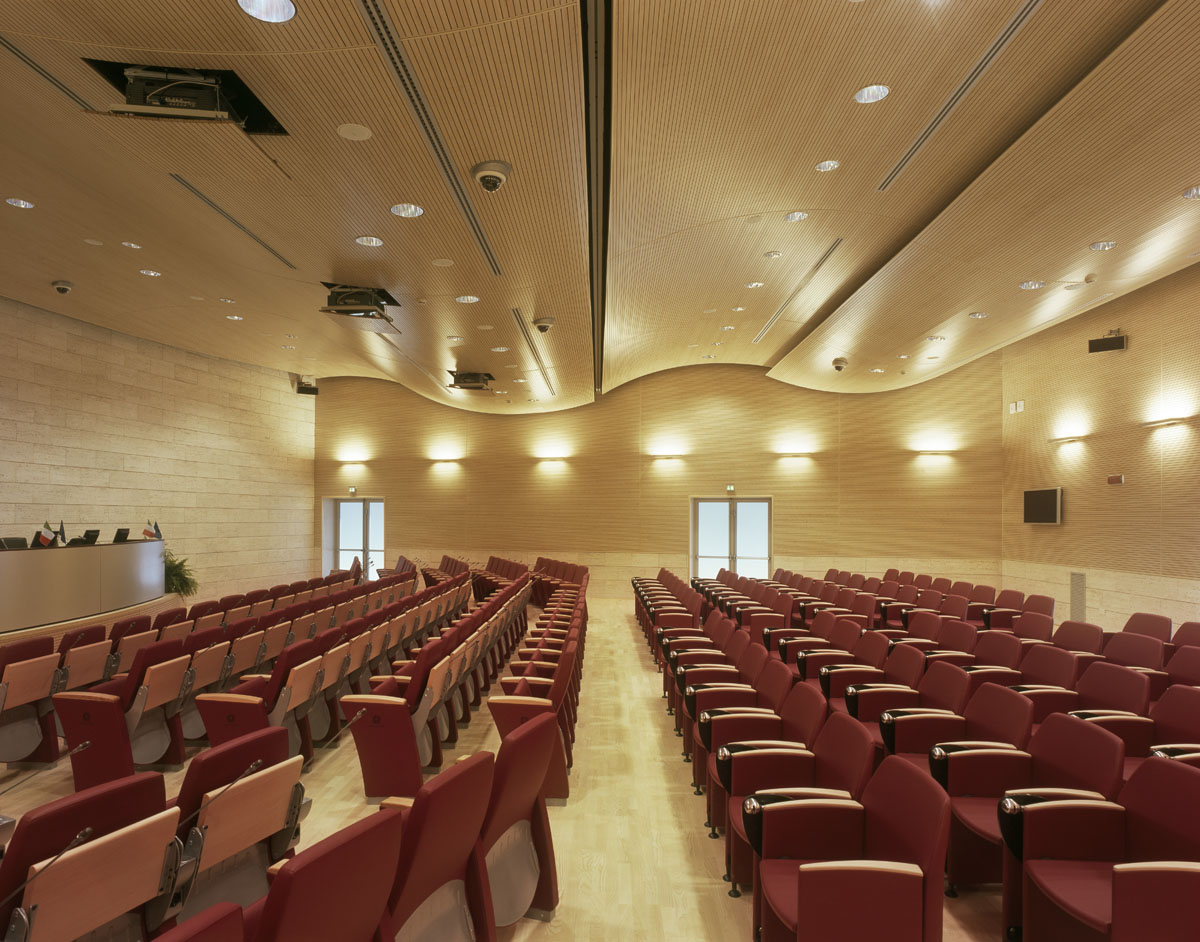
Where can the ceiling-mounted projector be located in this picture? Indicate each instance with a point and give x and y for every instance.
(475, 381)
(362, 308)
(174, 93)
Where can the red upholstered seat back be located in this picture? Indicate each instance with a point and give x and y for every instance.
(129, 626)
(856, 580)
(78, 637)
(803, 714)
(1187, 634)
(888, 588)
(1146, 623)
(1010, 598)
(905, 665)
(1046, 664)
(983, 593)
(219, 923)
(1135, 650)
(998, 648)
(146, 658)
(1113, 687)
(1079, 636)
(205, 638)
(940, 584)
(338, 888)
(844, 634)
(905, 578)
(1160, 802)
(738, 642)
(25, 650)
(216, 767)
(169, 617)
(872, 585)
(519, 772)
(924, 625)
(999, 714)
(241, 627)
(1176, 715)
(945, 687)
(962, 588)
(907, 593)
(773, 684)
(823, 623)
(440, 832)
(1033, 625)
(955, 606)
(844, 598)
(872, 648)
(1041, 604)
(922, 580)
(845, 755)
(929, 598)
(1072, 753)
(47, 829)
(908, 821)
(292, 655)
(957, 636)
(752, 662)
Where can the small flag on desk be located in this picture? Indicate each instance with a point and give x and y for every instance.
(148, 532)
(46, 536)
(157, 531)
(62, 533)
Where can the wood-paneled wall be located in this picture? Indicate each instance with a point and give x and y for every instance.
(586, 485)
(101, 429)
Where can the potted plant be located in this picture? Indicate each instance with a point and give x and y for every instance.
(178, 575)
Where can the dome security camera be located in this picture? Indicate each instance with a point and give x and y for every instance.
(62, 287)
(840, 363)
(492, 174)
(543, 324)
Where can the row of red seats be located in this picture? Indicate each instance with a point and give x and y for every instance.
(765, 705)
(555, 574)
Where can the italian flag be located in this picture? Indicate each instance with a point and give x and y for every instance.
(46, 537)
(148, 532)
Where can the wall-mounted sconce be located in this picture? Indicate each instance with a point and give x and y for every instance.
(729, 488)
(1164, 423)
(1064, 439)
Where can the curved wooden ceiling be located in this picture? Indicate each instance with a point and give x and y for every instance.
(1017, 132)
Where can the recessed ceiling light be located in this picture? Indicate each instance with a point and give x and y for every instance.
(728, 327)
(454, 339)
(902, 356)
(796, 216)
(690, 345)
(408, 211)
(93, 241)
(1191, 193)
(442, 262)
(877, 369)
(354, 132)
(871, 93)
(195, 297)
(151, 272)
(1074, 285)
(19, 203)
(772, 254)
(754, 284)
(131, 245)
(717, 343)
(290, 336)
(484, 327)
(234, 317)
(977, 315)
(935, 337)
(711, 310)
(499, 349)
(372, 241)
(1031, 285)
(269, 11)
(826, 165)
(287, 346)
(518, 380)
(1102, 246)
(708, 356)
(226, 300)
(466, 299)
(739, 308)
(500, 392)
(531, 400)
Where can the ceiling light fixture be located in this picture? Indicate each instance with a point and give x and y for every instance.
(234, 317)
(518, 379)
(1191, 193)
(499, 349)
(877, 369)
(871, 94)
(708, 356)
(796, 216)
(466, 299)
(287, 346)
(977, 315)
(1031, 285)
(19, 203)
(826, 165)
(269, 11)
(226, 300)
(93, 241)
(1102, 246)
(454, 339)
(736, 309)
(131, 245)
(373, 241)
(728, 327)
(754, 284)
(902, 356)
(500, 392)
(150, 272)
(935, 338)
(772, 254)
(407, 210)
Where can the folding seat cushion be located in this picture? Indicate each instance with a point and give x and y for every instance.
(841, 759)
(1146, 623)
(833, 868)
(439, 891)
(1099, 870)
(515, 836)
(219, 923)
(29, 672)
(45, 831)
(797, 722)
(1064, 753)
(994, 715)
(336, 889)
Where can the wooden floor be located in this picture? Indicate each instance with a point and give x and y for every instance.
(634, 861)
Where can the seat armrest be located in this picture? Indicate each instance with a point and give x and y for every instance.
(971, 771)
(866, 702)
(1137, 732)
(858, 899)
(742, 773)
(836, 678)
(742, 727)
(917, 730)
(697, 699)
(1047, 700)
(1037, 825)
(1155, 899)
(805, 829)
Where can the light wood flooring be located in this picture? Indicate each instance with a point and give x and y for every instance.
(634, 861)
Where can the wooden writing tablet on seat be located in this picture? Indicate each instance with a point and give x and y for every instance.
(208, 664)
(164, 681)
(85, 664)
(95, 883)
(30, 680)
(248, 812)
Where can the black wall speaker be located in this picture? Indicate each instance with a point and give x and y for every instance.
(1107, 343)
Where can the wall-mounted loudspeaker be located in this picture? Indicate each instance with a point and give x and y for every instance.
(1113, 342)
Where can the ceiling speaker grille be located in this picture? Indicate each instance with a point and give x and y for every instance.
(1005, 37)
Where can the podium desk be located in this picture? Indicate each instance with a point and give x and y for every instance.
(64, 583)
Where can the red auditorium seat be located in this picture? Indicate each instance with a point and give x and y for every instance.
(29, 673)
(1102, 686)
(994, 716)
(1102, 870)
(440, 885)
(904, 667)
(385, 741)
(944, 687)
(515, 836)
(838, 869)
(1145, 623)
(978, 612)
(1172, 727)
(219, 923)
